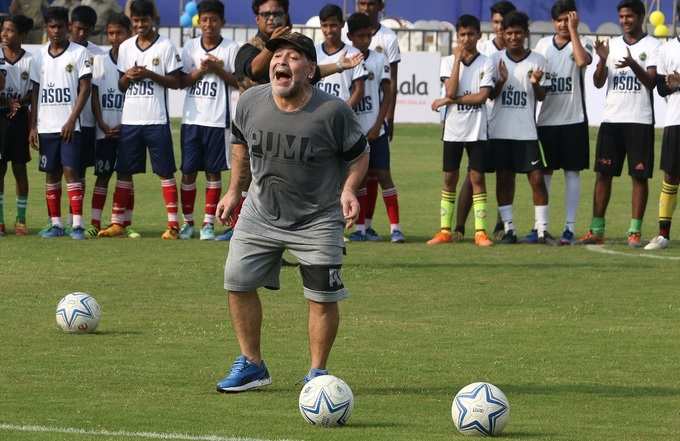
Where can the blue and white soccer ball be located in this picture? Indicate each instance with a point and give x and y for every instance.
(480, 409)
(78, 312)
(326, 401)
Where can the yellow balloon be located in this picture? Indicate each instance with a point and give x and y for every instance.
(194, 20)
(657, 18)
(661, 31)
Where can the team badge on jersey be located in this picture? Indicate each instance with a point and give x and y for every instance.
(156, 61)
(371, 76)
(643, 56)
(178, 58)
(379, 49)
(530, 73)
(481, 75)
(24, 75)
(69, 67)
(88, 63)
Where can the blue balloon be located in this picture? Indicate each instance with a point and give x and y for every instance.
(191, 8)
(185, 20)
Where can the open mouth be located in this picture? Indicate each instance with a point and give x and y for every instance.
(282, 74)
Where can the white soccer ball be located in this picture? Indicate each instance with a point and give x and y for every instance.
(326, 401)
(78, 312)
(480, 409)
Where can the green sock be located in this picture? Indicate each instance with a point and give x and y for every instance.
(448, 202)
(635, 226)
(479, 204)
(22, 202)
(2, 208)
(597, 226)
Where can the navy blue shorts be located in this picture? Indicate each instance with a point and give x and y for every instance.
(203, 149)
(132, 146)
(15, 132)
(380, 153)
(88, 140)
(56, 154)
(105, 156)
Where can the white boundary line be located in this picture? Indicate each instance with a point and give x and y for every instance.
(602, 250)
(123, 433)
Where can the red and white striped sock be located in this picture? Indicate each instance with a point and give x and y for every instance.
(188, 202)
(121, 199)
(362, 196)
(98, 201)
(75, 198)
(53, 201)
(130, 207)
(212, 198)
(391, 199)
(169, 187)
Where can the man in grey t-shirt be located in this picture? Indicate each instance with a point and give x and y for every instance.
(307, 158)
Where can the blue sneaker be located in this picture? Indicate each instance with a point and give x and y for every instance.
(313, 373)
(52, 231)
(208, 232)
(186, 232)
(243, 376)
(358, 236)
(226, 235)
(397, 237)
(77, 233)
(567, 238)
(372, 235)
(532, 237)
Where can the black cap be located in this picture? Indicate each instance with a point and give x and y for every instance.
(299, 41)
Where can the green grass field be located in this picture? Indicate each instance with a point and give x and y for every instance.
(585, 345)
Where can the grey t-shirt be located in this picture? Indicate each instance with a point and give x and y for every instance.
(298, 161)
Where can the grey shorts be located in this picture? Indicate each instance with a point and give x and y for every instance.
(254, 262)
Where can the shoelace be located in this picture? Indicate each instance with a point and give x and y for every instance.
(239, 365)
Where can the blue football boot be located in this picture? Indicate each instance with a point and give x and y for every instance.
(244, 375)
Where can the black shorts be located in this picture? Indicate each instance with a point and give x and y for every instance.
(88, 137)
(15, 140)
(565, 147)
(379, 158)
(106, 153)
(615, 141)
(517, 156)
(479, 156)
(670, 151)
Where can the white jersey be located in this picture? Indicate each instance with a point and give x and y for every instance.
(514, 112)
(206, 102)
(17, 77)
(564, 102)
(58, 78)
(369, 107)
(628, 100)
(339, 84)
(668, 62)
(466, 123)
(384, 41)
(86, 116)
(145, 100)
(105, 77)
(488, 47)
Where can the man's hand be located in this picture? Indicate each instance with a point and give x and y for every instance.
(283, 30)
(14, 107)
(627, 61)
(350, 62)
(458, 53)
(113, 132)
(374, 133)
(33, 139)
(436, 104)
(602, 49)
(136, 73)
(390, 129)
(502, 72)
(536, 76)
(673, 81)
(68, 129)
(226, 207)
(572, 22)
(350, 207)
(211, 64)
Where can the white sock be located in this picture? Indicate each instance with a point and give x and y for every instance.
(369, 223)
(572, 196)
(548, 182)
(394, 227)
(541, 216)
(361, 228)
(77, 221)
(506, 217)
(56, 222)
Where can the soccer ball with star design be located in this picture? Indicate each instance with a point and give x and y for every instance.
(78, 312)
(480, 409)
(326, 401)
